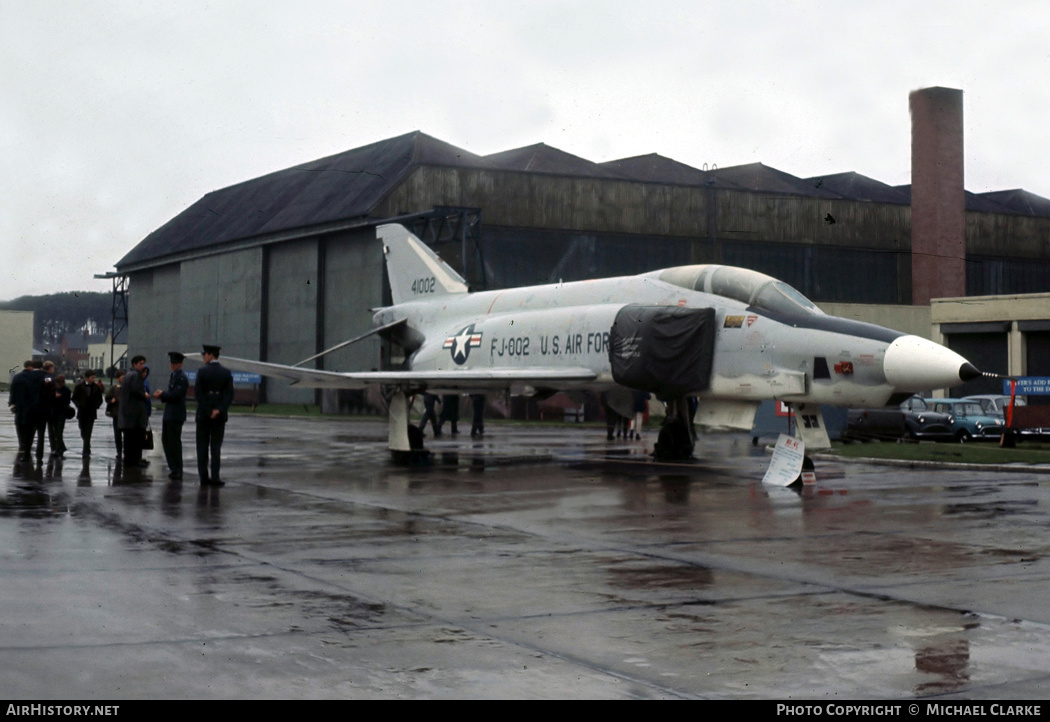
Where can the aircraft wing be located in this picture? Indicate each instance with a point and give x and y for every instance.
(466, 380)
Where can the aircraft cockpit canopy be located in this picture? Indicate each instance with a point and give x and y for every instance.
(763, 292)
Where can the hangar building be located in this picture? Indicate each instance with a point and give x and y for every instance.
(283, 266)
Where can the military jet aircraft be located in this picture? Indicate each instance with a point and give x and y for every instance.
(730, 337)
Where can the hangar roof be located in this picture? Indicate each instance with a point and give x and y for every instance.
(861, 188)
(1015, 202)
(347, 186)
(330, 189)
(656, 168)
(542, 158)
(983, 204)
(1020, 201)
(759, 177)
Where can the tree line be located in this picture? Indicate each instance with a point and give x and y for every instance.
(70, 312)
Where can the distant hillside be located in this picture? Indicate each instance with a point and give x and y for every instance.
(57, 314)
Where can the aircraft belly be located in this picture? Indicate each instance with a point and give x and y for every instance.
(726, 414)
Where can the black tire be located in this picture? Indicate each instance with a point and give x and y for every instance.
(415, 437)
(674, 442)
(963, 436)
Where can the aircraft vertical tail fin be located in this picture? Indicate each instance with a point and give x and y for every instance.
(416, 272)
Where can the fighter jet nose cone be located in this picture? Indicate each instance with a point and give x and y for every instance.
(913, 363)
(969, 372)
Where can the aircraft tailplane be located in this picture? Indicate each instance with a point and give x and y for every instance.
(416, 272)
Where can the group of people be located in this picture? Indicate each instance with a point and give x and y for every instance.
(41, 400)
(628, 427)
(450, 413)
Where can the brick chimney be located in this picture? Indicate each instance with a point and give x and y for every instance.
(938, 201)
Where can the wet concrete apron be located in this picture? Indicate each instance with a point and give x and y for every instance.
(539, 562)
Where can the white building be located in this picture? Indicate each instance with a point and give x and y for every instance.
(16, 340)
(105, 354)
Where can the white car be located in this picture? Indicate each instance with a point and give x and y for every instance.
(996, 405)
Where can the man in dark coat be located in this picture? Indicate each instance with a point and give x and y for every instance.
(477, 428)
(87, 397)
(134, 412)
(16, 401)
(429, 414)
(57, 415)
(31, 405)
(174, 414)
(449, 412)
(48, 397)
(113, 410)
(214, 393)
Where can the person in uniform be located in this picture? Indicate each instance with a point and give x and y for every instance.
(214, 393)
(87, 397)
(133, 411)
(174, 414)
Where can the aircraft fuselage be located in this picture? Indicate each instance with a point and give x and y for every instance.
(758, 354)
(729, 336)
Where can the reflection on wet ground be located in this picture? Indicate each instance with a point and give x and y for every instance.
(537, 562)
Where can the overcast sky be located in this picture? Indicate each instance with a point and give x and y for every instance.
(116, 115)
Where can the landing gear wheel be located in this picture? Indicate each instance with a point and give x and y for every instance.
(674, 442)
(415, 437)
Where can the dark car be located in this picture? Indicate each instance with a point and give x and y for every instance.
(913, 419)
(923, 422)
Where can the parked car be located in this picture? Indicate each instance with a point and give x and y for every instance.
(923, 422)
(969, 419)
(996, 405)
(913, 419)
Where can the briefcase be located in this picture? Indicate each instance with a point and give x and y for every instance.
(148, 443)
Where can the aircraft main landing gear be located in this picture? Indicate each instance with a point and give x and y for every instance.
(404, 439)
(677, 436)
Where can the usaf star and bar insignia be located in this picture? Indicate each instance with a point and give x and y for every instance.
(460, 344)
